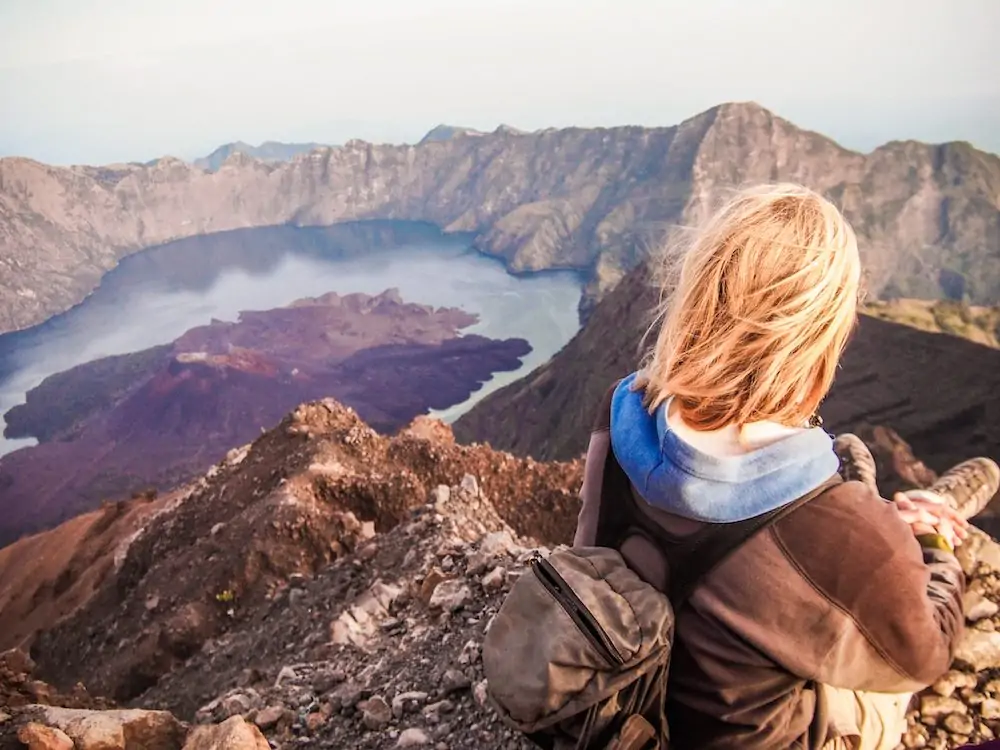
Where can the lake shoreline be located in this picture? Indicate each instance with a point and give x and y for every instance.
(194, 267)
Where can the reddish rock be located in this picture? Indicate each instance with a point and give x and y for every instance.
(232, 734)
(40, 737)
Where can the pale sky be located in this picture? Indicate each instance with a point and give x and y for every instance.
(97, 81)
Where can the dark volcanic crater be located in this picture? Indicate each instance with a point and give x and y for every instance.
(157, 417)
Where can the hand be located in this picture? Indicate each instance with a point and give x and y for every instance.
(929, 513)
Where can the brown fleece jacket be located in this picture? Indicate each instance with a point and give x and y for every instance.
(837, 593)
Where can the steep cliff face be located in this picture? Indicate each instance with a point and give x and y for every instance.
(590, 199)
(939, 391)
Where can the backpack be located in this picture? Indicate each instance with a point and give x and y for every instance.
(579, 653)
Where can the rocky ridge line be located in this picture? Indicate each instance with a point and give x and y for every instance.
(297, 499)
(594, 200)
(381, 649)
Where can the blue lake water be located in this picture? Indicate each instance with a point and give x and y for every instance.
(155, 296)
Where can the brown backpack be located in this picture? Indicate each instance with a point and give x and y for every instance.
(578, 655)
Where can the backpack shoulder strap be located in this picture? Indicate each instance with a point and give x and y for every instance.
(689, 558)
(706, 550)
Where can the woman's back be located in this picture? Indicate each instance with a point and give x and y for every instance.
(717, 427)
(837, 593)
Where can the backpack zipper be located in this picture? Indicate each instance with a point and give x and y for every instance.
(582, 617)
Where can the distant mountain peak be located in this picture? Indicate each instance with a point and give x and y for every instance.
(444, 132)
(275, 151)
(504, 129)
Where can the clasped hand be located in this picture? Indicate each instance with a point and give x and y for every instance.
(929, 513)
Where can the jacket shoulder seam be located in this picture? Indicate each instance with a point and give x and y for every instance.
(787, 554)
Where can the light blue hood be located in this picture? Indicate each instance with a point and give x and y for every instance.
(672, 475)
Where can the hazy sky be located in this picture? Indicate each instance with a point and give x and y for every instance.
(96, 81)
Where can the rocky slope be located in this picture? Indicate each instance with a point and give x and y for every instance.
(156, 418)
(976, 323)
(590, 199)
(298, 498)
(940, 392)
(385, 562)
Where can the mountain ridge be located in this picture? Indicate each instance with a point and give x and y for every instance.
(891, 374)
(594, 200)
(266, 151)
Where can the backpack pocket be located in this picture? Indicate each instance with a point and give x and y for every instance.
(570, 641)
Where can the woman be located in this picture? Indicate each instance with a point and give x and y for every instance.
(816, 631)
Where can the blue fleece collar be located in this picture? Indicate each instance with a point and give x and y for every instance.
(673, 475)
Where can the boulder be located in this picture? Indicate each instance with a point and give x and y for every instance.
(270, 716)
(978, 607)
(40, 737)
(979, 547)
(232, 734)
(979, 650)
(450, 595)
(375, 712)
(129, 729)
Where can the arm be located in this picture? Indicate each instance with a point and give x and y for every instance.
(905, 623)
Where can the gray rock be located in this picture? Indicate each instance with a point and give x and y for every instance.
(234, 704)
(359, 625)
(441, 707)
(268, 717)
(406, 702)
(440, 496)
(470, 653)
(325, 681)
(990, 709)
(978, 650)
(951, 681)
(500, 543)
(959, 724)
(978, 607)
(413, 737)
(979, 547)
(453, 681)
(346, 695)
(376, 713)
(913, 739)
(450, 595)
(287, 674)
(479, 692)
(495, 579)
(935, 706)
(470, 485)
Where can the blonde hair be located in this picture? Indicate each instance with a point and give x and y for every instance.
(763, 307)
